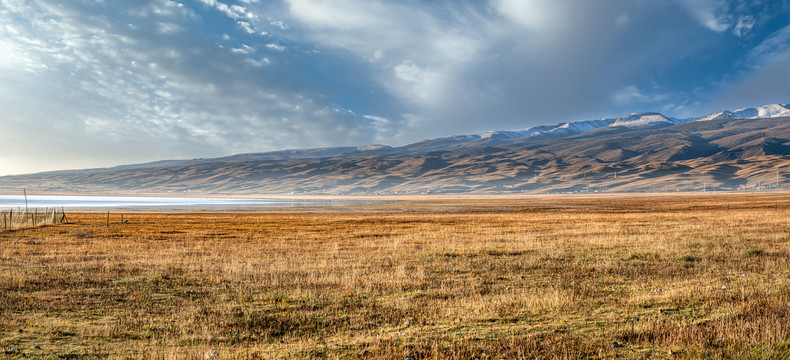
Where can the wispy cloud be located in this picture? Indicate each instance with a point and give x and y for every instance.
(711, 14)
(775, 45)
(633, 95)
(109, 84)
(213, 77)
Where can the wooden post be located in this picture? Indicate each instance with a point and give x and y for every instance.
(10, 219)
(108, 218)
(63, 214)
(54, 215)
(5, 224)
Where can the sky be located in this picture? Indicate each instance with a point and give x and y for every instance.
(95, 83)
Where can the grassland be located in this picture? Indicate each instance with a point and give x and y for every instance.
(642, 277)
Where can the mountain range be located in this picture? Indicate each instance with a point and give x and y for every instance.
(726, 150)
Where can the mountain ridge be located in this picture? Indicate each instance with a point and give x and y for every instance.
(494, 137)
(635, 120)
(637, 152)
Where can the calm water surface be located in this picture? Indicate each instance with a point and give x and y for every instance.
(157, 203)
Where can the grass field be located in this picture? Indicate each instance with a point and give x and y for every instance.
(642, 277)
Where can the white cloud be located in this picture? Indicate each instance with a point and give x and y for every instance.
(506, 60)
(339, 14)
(711, 14)
(391, 35)
(169, 28)
(244, 49)
(238, 9)
(682, 110)
(234, 12)
(632, 94)
(422, 82)
(259, 62)
(536, 15)
(767, 84)
(16, 6)
(773, 46)
(383, 125)
(161, 9)
(102, 88)
(274, 46)
(16, 55)
(409, 71)
(376, 56)
(744, 25)
(246, 27)
(278, 23)
(171, 80)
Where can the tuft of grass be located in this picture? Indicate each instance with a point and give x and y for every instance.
(689, 258)
(754, 252)
(446, 280)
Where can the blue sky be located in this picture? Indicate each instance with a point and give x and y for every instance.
(91, 83)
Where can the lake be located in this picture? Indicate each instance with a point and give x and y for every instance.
(157, 203)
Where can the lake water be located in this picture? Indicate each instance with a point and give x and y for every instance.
(156, 203)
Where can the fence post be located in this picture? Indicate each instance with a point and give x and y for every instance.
(108, 218)
(10, 219)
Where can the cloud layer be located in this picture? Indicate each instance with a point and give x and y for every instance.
(86, 83)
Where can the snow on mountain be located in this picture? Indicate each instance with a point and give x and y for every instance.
(371, 147)
(631, 121)
(646, 119)
(491, 138)
(634, 120)
(573, 128)
(767, 111)
(506, 134)
(561, 130)
(311, 153)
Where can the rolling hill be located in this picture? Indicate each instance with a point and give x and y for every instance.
(727, 150)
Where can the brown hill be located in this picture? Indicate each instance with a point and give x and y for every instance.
(716, 154)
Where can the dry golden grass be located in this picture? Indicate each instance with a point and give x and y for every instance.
(556, 278)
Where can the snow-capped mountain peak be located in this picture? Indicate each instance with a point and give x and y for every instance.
(767, 111)
(632, 121)
(645, 119)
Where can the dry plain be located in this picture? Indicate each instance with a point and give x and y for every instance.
(567, 277)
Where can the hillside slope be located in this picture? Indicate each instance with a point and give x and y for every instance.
(714, 154)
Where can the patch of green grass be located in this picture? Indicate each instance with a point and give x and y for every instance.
(752, 252)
